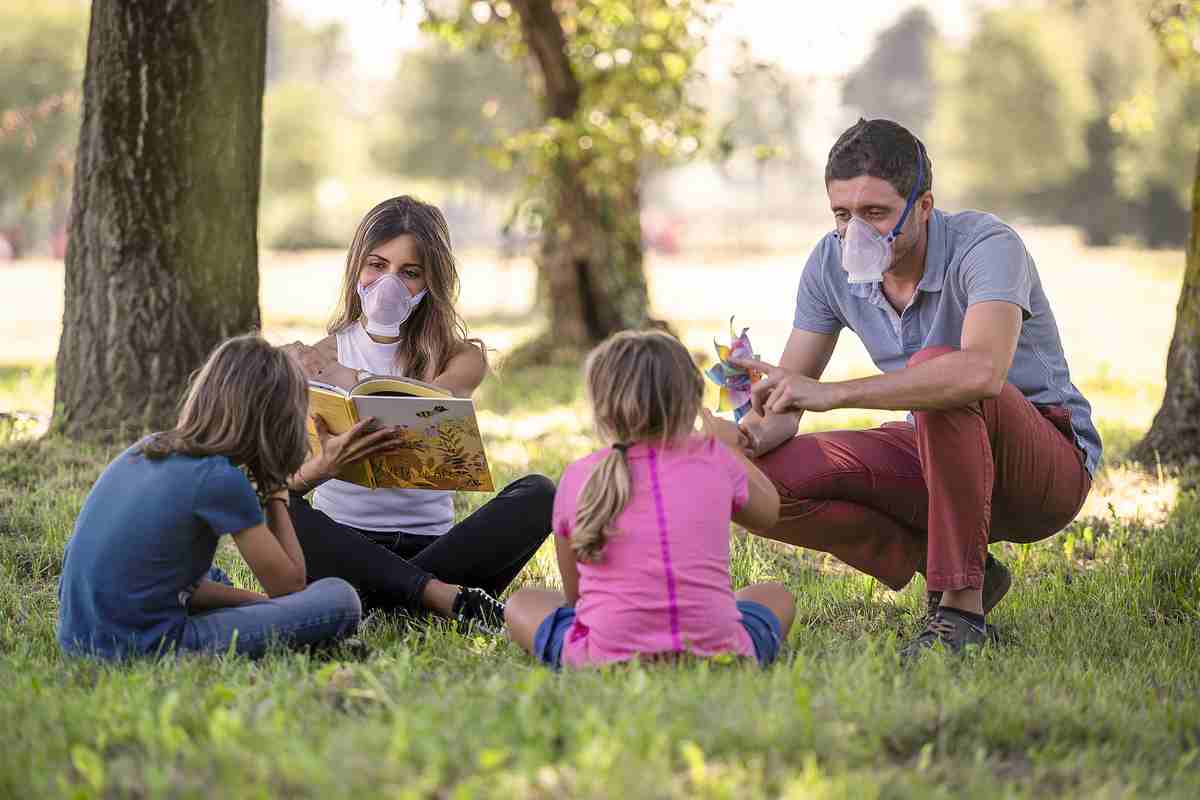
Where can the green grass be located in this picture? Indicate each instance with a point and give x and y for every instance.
(1093, 691)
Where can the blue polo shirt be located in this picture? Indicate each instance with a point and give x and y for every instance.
(972, 257)
(144, 538)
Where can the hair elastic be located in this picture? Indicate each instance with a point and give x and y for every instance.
(622, 446)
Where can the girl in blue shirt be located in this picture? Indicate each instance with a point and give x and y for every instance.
(135, 578)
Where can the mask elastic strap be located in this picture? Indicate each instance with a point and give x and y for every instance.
(912, 194)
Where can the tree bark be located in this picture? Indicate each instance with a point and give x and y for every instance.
(1174, 436)
(162, 256)
(590, 262)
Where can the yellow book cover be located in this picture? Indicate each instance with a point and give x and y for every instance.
(440, 445)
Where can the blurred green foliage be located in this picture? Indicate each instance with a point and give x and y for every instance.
(446, 107)
(896, 79)
(41, 58)
(1083, 112)
(633, 63)
(768, 109)
(1069, 113)
(304, 110)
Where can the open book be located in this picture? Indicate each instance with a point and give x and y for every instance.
(440, 446)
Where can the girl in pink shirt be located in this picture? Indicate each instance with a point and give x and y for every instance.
(642, 526)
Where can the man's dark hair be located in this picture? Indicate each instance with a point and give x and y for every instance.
(882, 149)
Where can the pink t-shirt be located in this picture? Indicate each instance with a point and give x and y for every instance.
(662, 584)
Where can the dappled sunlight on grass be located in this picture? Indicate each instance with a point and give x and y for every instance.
(1132, 496)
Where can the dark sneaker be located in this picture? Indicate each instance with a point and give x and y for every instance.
(474, 606)
(997, 580)
(945, 627)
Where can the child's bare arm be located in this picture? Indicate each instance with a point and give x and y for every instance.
(567, 568)
(279, 519)
(210, 595)
(760, 512)
(272, 552)
(761, 509)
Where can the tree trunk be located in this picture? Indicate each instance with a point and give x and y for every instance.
(590, 263)
(162, 257)
(1174, 437)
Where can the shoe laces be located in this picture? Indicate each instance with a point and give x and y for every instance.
(940, 626)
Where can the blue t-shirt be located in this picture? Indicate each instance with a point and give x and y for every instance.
(144, 538)
(972, 257)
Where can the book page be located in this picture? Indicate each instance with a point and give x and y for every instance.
(404, 386)
(440, 446)
(334, 408)
(339, 415)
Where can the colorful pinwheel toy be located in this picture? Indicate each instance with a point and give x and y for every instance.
(735, 382)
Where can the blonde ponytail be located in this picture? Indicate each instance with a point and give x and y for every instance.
(602, 498)
(643, 387)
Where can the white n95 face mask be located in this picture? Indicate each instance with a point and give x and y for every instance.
(386, 304)
(866, 253)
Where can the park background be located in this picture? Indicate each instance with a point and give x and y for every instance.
(1068, 118)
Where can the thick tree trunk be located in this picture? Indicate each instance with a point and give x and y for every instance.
(590, 263)
(1174, 437)
(162, 259)
(592, 257)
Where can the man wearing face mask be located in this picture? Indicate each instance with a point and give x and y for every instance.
(999, 444)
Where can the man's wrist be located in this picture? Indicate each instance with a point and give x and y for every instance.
(842, 394)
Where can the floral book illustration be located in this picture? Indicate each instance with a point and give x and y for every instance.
(735, 382)
(439, 447)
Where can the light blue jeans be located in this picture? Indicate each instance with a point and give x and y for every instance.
(323, 612)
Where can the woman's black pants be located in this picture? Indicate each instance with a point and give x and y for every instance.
(390, 570)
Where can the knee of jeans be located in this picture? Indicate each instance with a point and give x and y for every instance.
(340, 596)
(921, 356)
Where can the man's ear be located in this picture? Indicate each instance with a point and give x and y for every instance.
(926, 206)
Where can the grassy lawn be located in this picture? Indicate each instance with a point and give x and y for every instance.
(1093, 690)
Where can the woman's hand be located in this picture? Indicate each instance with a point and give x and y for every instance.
(318, 365)
(782, 391)
(359, 442)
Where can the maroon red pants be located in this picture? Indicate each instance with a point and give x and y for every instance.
(890, 499)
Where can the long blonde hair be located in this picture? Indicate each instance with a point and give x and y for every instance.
(435, 332)
(248, 403)
(642, 386)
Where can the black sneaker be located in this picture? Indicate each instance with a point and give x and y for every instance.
(474, 606)
(997, 580)
(951, 630)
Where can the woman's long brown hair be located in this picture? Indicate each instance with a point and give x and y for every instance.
(643, 387)
(435, 332)
(248, 403)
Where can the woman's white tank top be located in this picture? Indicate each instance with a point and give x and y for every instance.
(410, 510)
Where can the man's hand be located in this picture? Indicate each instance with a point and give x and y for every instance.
(782, 391)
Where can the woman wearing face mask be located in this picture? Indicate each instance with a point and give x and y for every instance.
(401, 548)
